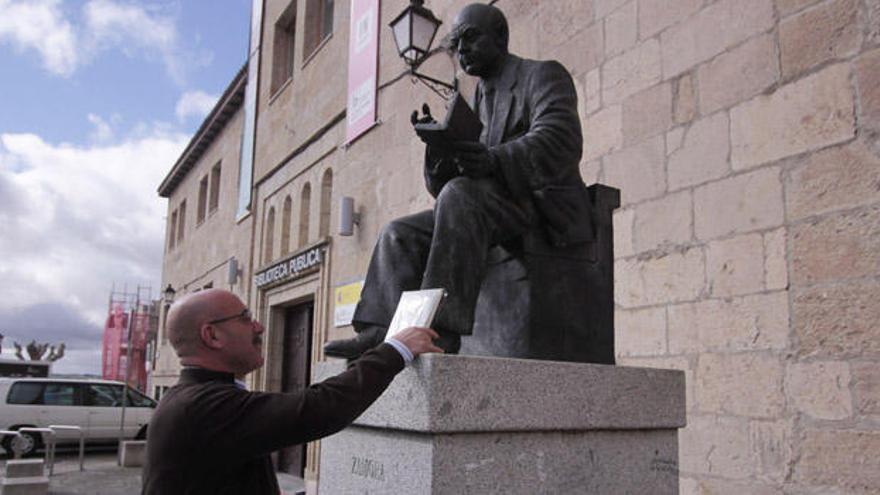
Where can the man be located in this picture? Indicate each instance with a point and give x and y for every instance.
(210, 436)
(519, 182)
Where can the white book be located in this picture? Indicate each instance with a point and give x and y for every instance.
(415, 309)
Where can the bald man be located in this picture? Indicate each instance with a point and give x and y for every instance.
(210, 436)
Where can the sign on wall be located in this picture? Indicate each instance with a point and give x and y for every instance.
(363, 67)
(290, 268)
(346, 298)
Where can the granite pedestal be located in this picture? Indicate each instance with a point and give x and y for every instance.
(468, 424)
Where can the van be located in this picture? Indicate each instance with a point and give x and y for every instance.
(93, 405)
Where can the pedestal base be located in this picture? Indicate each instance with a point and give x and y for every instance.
(464, 424)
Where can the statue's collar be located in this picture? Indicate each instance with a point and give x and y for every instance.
(506, 77)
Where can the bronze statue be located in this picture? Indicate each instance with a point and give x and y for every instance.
(519, 185)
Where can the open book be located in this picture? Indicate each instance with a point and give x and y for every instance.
(415, 309)
(460, 124)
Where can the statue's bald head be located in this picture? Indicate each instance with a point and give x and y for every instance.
(487, 17)
(186, 317)
(479, 36)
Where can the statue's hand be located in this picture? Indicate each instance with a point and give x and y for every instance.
(473, 159)
(426, 118)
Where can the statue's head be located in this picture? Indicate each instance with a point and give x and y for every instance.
(479, 37)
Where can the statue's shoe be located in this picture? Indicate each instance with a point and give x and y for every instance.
(365, 340)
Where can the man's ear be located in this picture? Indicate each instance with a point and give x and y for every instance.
(208, 334)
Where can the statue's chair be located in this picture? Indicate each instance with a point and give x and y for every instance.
(542, 302)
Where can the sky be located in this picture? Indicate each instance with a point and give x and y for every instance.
(98, 98)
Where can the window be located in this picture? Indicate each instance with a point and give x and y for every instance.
(270, 236)
(172, 231)
(326, 193)
(25, 393)
(319, 24)
(283, 48)
(181, 221)
(47, 394)
(304, 201)
(203, 200)
(101, 395)
(159, 392)
(285, 226)
(59, 394)
(214, 202)
(138, 399)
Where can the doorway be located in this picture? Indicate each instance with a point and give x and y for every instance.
(295, 374)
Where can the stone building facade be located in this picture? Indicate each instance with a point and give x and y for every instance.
(743, 135)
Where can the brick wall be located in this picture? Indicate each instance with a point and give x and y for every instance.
(744, 137)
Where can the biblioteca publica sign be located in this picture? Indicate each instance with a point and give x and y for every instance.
(290, 268)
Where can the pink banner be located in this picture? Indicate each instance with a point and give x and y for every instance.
(363, 67)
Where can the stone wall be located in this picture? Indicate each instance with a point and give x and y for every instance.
(743, 134)
(744, 137)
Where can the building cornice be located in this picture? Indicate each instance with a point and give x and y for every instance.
(226, 106)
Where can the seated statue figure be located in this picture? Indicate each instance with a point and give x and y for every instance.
(521, 177)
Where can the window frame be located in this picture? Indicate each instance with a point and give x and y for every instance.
(316, 21)
(214, 188)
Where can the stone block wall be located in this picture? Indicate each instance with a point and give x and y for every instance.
(745, 137)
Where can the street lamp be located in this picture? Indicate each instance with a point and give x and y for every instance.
(168, 295)
(414, 30)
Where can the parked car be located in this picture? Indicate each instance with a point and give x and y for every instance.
(93, 405)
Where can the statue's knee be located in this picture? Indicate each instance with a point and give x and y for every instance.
(458, 191)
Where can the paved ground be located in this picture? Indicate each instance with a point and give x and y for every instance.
(102, 476)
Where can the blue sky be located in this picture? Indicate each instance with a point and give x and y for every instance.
(97, 100)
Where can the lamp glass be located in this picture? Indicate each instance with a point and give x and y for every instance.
(423, 30)
(414, 30)
(401, 29)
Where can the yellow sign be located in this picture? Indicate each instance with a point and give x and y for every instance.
(346, 298)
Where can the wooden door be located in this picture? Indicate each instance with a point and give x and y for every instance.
(295, 370)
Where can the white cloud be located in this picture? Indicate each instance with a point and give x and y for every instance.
(40, 25)
(102, 132)
(65, 46)
(77, 219)
(130, 27)
(194, 104)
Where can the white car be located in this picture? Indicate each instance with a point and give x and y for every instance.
(93, 405)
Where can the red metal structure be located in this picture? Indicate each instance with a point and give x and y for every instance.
(115, 356)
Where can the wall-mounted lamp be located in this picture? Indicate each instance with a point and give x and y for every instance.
(168, 295)
(232, 271)
(348, 218)
(414, 30)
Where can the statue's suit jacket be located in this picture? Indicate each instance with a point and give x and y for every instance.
(532, 130)
(210, 437)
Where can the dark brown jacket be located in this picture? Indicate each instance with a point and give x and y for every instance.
(209, 437)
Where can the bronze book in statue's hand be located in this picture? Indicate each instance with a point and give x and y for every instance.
(460, 124)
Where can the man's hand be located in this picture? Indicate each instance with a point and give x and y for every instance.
(473, 159)
(418, 340)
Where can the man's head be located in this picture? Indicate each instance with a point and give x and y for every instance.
(480, 36)
(214, 329)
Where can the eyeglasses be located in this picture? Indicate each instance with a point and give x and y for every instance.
(245, 316)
